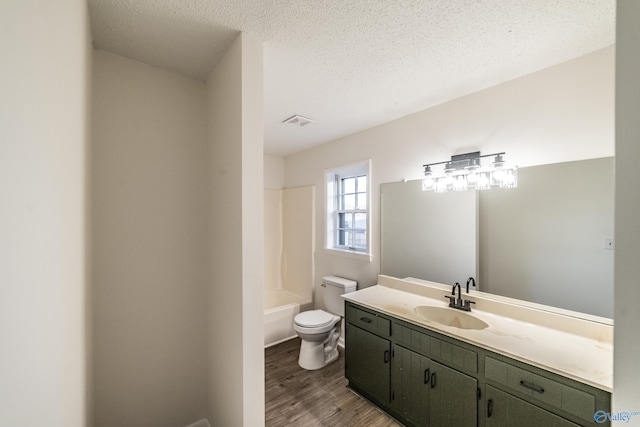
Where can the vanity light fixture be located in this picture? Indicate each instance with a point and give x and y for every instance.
(465, 171)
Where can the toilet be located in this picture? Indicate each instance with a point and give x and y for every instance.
(320, 330)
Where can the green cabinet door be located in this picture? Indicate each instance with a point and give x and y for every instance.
(505, 410)
(367, 363)
(411, 376)
(453, 400)
(425, 392)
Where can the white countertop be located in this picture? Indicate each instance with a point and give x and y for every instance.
(574, 348)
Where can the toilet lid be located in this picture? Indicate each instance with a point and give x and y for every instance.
(313, 318)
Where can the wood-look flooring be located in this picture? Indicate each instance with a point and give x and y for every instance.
(297, 397)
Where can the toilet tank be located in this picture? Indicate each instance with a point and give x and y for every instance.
(331, 289)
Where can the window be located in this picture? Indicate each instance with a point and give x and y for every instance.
(348, 209)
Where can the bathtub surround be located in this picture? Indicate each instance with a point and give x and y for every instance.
(289, 240)
(288, 253)
(176, 194)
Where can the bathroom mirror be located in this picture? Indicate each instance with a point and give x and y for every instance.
(549, 241)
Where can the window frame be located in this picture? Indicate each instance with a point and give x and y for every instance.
(333, 178)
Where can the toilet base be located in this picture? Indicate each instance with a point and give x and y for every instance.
(312, 355)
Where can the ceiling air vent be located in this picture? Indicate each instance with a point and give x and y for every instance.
(298, 121)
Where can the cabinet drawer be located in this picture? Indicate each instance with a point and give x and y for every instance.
(451, 354)
(368, 320)
(541, 389)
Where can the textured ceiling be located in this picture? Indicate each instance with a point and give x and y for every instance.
(351, 65)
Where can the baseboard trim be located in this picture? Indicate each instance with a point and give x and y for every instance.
(200, 423)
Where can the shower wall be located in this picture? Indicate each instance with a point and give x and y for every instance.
(289, 240)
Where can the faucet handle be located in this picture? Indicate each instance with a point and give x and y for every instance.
(452, 300)
(467, 304)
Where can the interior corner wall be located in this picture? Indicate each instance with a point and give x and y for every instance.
(235, 288)
(273, 172)
(626, 370)
(44, 82)
(557, 114)
(149, 245)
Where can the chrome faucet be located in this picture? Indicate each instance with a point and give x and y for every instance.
(459, 303)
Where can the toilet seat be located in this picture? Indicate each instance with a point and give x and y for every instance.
(314, 319)
(314, 322)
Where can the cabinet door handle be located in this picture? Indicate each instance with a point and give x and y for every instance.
(532, 387)
(386, 356)
(365, 319)
(489, 408)
(433, 380)
(426, 376)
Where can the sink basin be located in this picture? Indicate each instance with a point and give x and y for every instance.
(450, 317)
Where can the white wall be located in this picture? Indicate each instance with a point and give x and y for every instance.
(149, 203)
(235, 289)
(626, 396)
(273, 172)
(558, 114)
(44, 82)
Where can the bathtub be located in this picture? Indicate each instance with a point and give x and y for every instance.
(280, 307)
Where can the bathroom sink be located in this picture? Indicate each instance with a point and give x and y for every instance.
(450, 317)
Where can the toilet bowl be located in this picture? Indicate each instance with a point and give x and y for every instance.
(320, 330)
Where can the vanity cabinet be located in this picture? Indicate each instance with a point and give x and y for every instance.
(368, 363)
(506, 410)
(425, 392)
(516, 392)
(424, 378)
(395, 367)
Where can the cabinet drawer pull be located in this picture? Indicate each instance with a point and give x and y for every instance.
(433, 380)
(365, 319)
(532, 387)
(426, 376)
(489, 408)
(386, 356)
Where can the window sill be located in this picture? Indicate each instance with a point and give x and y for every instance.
(348, 254)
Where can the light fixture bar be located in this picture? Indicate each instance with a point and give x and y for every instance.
(457, 160)
(465, 171)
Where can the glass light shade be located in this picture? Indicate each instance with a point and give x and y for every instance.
(448, 177)
(441, 185)
(483, 181)
(472, 175)
(509, 178)
(460, 183)
(497, 171)
(428, 182)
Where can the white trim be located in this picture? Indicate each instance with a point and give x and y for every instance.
(329, 209)
(200, 423)
(348, 254)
